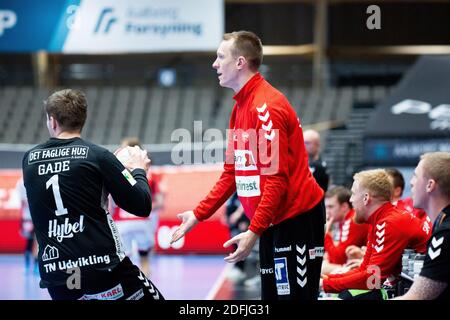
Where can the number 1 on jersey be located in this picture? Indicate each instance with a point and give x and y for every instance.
(54, 182)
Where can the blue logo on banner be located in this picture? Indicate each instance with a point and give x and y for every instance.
(105, 21)
(281, 276)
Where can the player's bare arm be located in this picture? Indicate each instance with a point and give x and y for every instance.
(424, 289)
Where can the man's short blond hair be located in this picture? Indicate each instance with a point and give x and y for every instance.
(377, 182)
(436, 166)
(246, 44)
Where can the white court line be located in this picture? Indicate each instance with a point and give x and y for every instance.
(220, 280)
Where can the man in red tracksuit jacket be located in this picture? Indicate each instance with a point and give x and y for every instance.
(406, 203)
(268, 167)
(392, 230)
(339, 210)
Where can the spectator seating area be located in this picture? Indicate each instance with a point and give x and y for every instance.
(152, 113)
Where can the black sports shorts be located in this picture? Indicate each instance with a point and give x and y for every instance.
(291, 254)
(124, 282)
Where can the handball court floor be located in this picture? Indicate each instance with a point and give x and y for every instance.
(179, 277)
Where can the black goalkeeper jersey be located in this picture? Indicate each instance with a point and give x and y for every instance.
(437, 261)
(67, 183)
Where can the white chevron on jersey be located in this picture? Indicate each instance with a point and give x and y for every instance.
(378, 248)
(302, 272)
(267, 127)
(380, 234)
(435, 244)
(264, 117)
(381, 226)
(262, 108)
(302, 283)
(301, 261)
(301, 250)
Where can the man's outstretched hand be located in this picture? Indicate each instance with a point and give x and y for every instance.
(188, 221)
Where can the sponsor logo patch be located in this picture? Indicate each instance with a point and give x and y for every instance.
(283, 249)
(50, 253)
(248, 186)
(281, 276)
(266, 270)
(137, 295)
(319, 251)
(60, 153)
(129, 177)
(65, 230)
(70, 264)
(244, 160)
(111, 294)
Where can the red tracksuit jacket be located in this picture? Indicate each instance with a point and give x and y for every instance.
(266, 160)
(351, 233)
(392, 230)
(407, 204)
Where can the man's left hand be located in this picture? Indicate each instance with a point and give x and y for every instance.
(245, 242)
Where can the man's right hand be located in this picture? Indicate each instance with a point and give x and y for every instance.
(136, 158)
(188, 222)
(354, 252)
